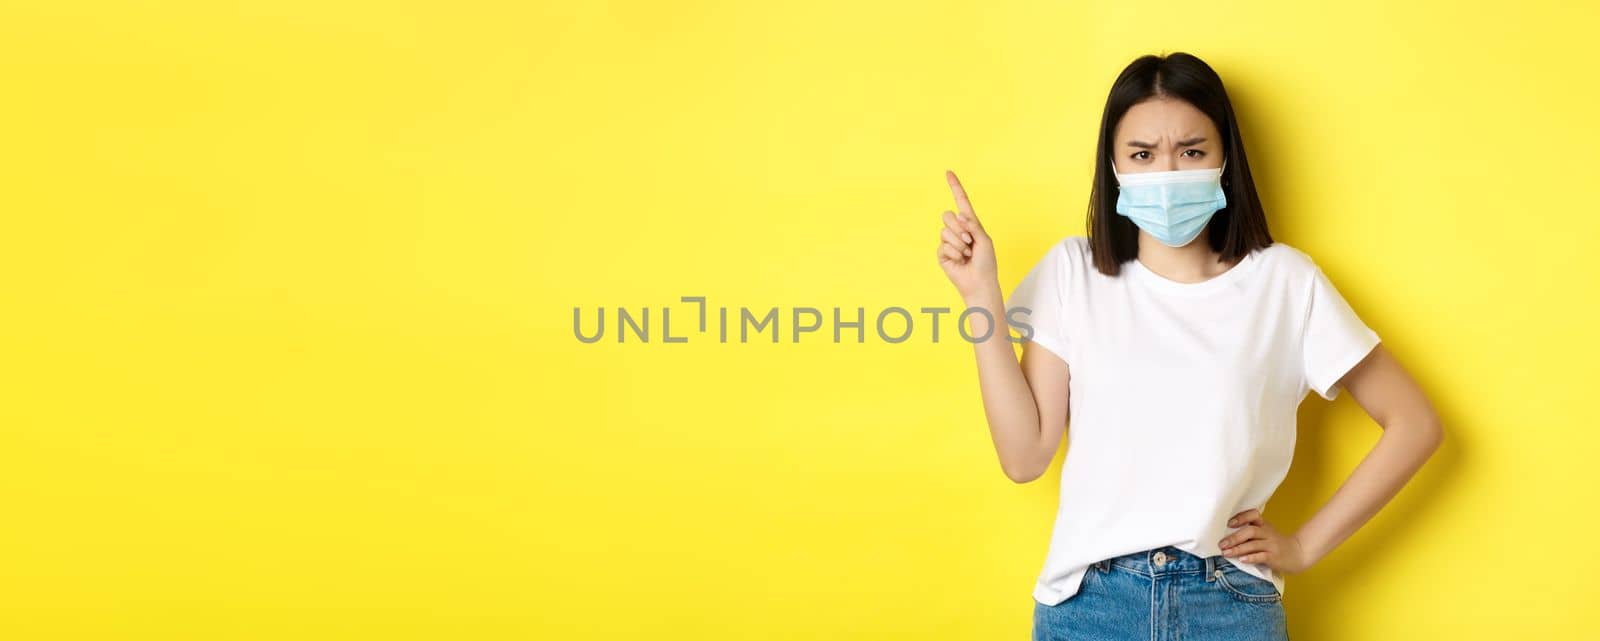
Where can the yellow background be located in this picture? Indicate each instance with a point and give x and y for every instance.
(288, 294)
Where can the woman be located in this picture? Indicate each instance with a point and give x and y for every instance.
(1179, 339)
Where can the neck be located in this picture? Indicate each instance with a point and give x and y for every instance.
(1191, 263)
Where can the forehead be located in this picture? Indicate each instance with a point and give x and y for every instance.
(1159, 118)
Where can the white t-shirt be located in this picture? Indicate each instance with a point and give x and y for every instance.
(1182, 398)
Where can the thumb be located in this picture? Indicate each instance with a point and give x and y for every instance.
(970, 222)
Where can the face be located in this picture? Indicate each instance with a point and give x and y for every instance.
(1165, 134)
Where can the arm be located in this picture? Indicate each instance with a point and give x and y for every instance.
(1411, 434)
(1025, 404)
(1017, 398)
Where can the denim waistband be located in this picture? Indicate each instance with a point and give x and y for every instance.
(1163, 560)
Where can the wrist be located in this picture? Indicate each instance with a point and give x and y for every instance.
(985, 296)
(1310, 552)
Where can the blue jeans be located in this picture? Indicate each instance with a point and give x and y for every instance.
(1165, 594)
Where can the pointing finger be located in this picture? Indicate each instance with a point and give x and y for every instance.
(963, 204)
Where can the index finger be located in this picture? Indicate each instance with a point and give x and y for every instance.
(1247, 516)
(962, 203)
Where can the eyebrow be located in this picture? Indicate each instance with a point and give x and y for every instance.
(1181, 143)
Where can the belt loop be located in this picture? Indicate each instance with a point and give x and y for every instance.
(1211, 562)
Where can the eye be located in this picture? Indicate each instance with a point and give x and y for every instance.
(1201, 153)
(1136, 154)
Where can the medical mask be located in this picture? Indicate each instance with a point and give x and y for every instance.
(1172, 206)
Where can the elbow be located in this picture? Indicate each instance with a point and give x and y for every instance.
(1021, 478)
(1027, 465)
(1022, 474)
(1421, 430)
(1430, 432)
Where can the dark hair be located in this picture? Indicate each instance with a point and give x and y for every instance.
(1236, 229)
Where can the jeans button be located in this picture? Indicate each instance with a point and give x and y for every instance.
(1161, 558)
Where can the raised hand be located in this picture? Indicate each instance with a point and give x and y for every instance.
(965, 251)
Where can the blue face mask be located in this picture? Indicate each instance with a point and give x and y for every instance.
(1172, 206)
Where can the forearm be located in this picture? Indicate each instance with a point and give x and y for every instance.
(1008, 402)
(1399, 453)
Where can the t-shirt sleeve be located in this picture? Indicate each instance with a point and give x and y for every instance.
(1037, 308)
(1334, 340)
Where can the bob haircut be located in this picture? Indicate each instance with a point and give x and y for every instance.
(1235, 230)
